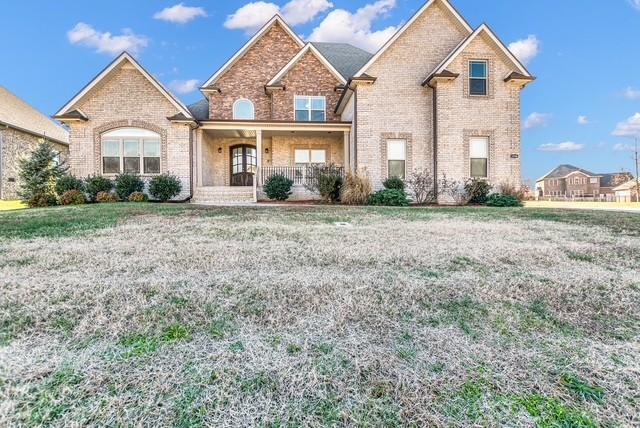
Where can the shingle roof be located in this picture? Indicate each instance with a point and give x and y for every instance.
(609, 179)
(564, 170)
(347, 59)
(200, 110)
(18, 114)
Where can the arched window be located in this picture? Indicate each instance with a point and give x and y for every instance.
(243, 110)
(130, 151)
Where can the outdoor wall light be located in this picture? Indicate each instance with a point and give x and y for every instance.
(220, 150)
(266, 150)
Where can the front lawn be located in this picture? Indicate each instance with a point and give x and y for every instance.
(171, 315)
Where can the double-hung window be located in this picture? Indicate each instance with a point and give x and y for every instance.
(310, 108)
(479, 157)
(397, 158)
(131, 151)
(305, 157)
(478, 78)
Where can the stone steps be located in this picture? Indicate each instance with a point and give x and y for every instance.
(223, 195)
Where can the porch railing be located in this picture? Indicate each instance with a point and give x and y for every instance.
(300, 175)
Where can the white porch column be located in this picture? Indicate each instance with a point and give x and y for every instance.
(199, 142)
(346, 146)
(258, 153)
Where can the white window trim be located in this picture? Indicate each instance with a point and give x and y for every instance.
(405, 155)
(253, 108)
(310, 110)
(123, 134)
(488, 140)
(486, 78)
(323, 149)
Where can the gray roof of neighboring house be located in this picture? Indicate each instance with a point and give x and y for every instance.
(20, 115)
(564, 170)
(347, 59)
(609, 180)
(200, 110)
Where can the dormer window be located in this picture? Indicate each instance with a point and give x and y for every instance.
(478, 73)
(243, 109)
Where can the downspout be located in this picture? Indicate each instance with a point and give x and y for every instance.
(355, 129)
(435, 139)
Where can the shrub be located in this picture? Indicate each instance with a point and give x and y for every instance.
(455, 190)
(502, 200)
(138, 197)
(72, 197)
(106, 197)
(68, 182)
(422, 187)
(356, 188)
(325, 181)
(507, 188)
(96, 184)
(394, 183)
(164, 187)
(126, 184)
(278, 187)
(477, 190)
(389, 198)
(38, 175)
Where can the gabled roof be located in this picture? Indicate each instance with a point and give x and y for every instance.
(309, 47)
(347, 59)
(404, 28)
(200, 110)
(483, 29)
(609, 179)
(124, 57)
(563, 171)
(277, 19)
(16, 113)
(631, 184)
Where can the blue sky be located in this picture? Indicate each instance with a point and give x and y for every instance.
(584, 52)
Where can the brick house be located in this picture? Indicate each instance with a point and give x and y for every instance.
(569, 182)
(22, 128)
(438, 96)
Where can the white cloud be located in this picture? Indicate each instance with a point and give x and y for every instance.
(184, 86)
(355, 28)
(535, 120)
(635, 4)
(620, 147)
(85, 35)
(567, 146)
(254, 15)
(526, 49)
(629, 128)
(180, 13)
(632, 93)
(583, 120)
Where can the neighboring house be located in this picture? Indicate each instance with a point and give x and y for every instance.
(22, 128)
(568, 181)
(627, 192)
(439, 96)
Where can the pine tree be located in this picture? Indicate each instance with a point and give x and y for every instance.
(39, 173)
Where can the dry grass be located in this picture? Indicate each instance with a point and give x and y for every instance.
(243, 317)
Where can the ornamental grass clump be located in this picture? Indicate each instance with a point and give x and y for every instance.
(356, 188)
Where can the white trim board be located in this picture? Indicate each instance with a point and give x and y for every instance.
(404, 28)
(276, 19)
(115, 63)
(299, 56)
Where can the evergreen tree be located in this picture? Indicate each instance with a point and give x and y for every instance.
(38, 174)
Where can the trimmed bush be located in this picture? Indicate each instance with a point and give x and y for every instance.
(72, 197)
(106, 197)
(356, 188)
(502, 200)
(68, 182)
(138, 197)
(394, 183)
(41, 200)
(126, 184)
(478, 190)
(389, 198)
(278, 187)
(96, 184)
(165, 187)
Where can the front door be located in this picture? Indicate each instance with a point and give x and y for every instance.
(244, 164)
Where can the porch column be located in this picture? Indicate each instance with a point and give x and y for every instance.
(346, 146)
(199, 142)
(259, 154)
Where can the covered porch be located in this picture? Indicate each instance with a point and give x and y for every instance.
(234, 159)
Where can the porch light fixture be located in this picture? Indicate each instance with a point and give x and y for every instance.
(219, 150)
(266, 150)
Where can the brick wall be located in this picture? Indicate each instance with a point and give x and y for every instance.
(15, 145)
(127, 99)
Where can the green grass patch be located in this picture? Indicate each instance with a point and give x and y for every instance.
(137, 345)
(582, 388)
(580, 257)
(221, 327)
(175, 333)
(260, 382)
(12, 325)
(294, 349)
(551, 413)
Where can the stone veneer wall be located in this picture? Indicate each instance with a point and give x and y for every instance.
(396, 105)
(16, 144)
(128, 99)
(248, 76)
